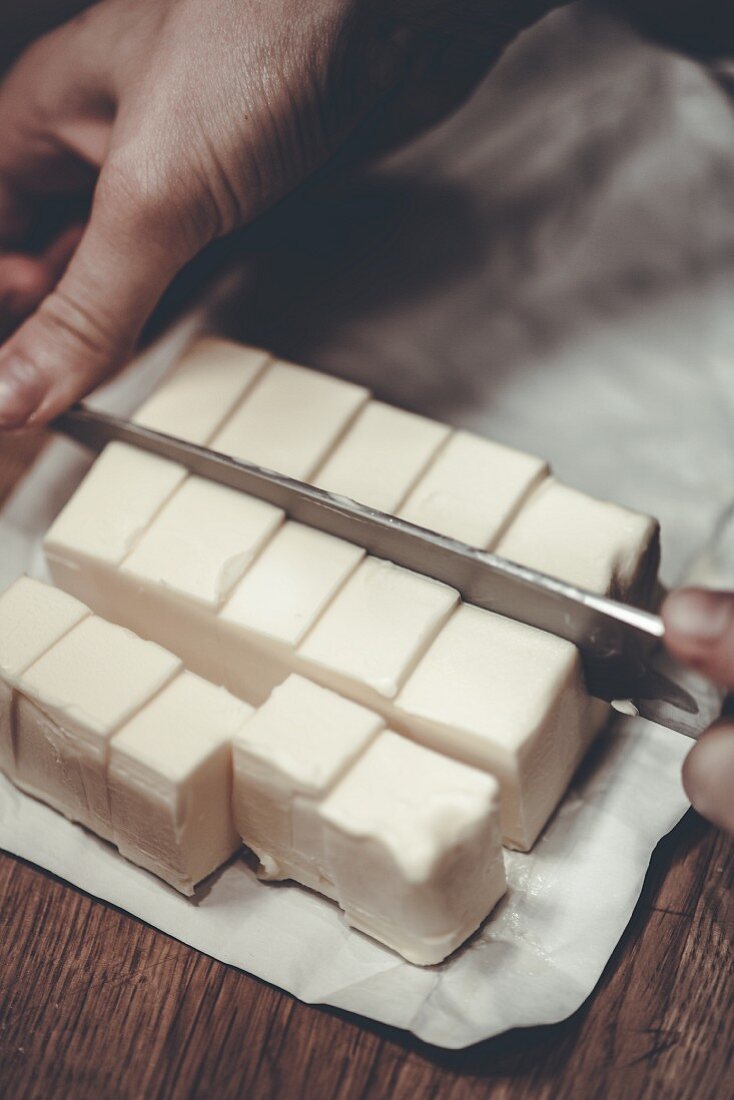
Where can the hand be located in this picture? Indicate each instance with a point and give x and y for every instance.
(188, 118)
(699, 629)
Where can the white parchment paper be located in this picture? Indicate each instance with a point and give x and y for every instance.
(577, 303)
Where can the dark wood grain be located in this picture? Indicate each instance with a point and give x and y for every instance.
(94, 1003)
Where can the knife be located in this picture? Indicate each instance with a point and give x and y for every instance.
(620, 645)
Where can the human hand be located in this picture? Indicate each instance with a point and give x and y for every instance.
(188, 118)
(699, 630)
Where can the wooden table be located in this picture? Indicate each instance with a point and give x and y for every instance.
(95, 1004)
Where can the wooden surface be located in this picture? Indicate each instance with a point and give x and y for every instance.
(94, 1003)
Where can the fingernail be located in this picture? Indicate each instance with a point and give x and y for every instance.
(20, 393)
(700, 615)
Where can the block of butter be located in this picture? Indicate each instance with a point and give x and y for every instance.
(407, 842)
(133, 523)
(246, 599)
(111, 731)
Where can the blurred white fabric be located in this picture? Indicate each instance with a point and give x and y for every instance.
(553, 266)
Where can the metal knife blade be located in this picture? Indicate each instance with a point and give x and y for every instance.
(619, 643)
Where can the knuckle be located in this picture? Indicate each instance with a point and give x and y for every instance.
(159, 197)
(78, 330)
(141, 183)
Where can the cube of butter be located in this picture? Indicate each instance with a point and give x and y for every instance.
(187, 563)
(275, 604)
(33, 616)
(286, 759)
(375, 631)
(170, 782)
(290, 420)
(412, 844)
(75, 698)
(381, 456)
(587, 542)
(510, 700)
(203, 389)
(473, 489)
(202, 541)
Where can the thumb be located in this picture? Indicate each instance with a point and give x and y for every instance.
(134, 244)
(708, 775)
(699, 630)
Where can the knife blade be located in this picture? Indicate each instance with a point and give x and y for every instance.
(624, 661)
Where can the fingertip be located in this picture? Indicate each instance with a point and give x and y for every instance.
(708, 776)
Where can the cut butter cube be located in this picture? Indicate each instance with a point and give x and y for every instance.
(275, 604)
(473, 489)
(510, 700)
(75, 698)
(170, 782)
(372, 635)
(382, 455)
(287, 757)
(33, 616)
(201, 391)
(587, 542)
(412, 844)
(201, 542)
(124, 490)
(290, 420)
